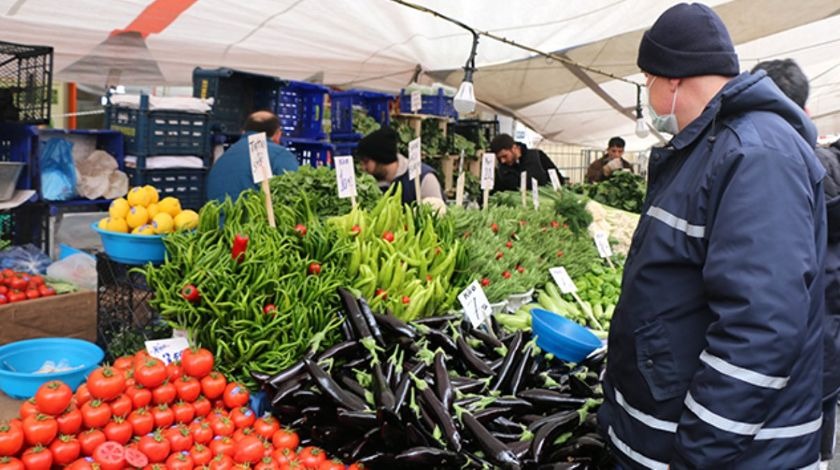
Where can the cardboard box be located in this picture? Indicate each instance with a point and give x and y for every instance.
(65, 316)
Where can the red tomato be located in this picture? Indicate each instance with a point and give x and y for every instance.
(267, 463)
(3, 289)
(242, 417)
(222, 445)
(236, 395)
(142, 422)
(283, 456)
(65, 449)
(37, 458)
(285, 439)
(154, 446)
(124, 363)
(121, 406)
(119, 430)
(179, 437)
(11, 439)
(28, 408)
(388, 237)
(8, 273)
(3, 299)
(163, 415)
(106, 383)
(184, 412)
(135, 458)
(222, 426)
(180, 461)
(314, 269)
(201, 432)
(201, 455)
(356, 466)
(96, 414)
(174, 371)
(11, 463)
(311, 457)
(16, 296)
(39, 429)
(188, 388)
(69, 422)
(110, 456)
(248, 450)
(18, 284)
(32, 294)
(197, 362)
(241, 433)
(46, 291)
(149, 371)
(202, 406)
(331, 465)
(90, 440)
(140, 396)
(53, 397)
(213, 385)
(220, 462)
(164, 393)
(266, 426)
(82, 395)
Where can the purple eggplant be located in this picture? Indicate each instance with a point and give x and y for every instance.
(429, 456)
(443, 387)
(493, 448)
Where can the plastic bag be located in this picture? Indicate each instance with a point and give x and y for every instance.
(26, 259)
(58, 172)
(78, 269)
(99, 177)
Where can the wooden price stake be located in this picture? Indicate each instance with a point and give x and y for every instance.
(345, 175)
(459, 186)
(261, 170)
(523, 188)
(415, 166)
(488, 176)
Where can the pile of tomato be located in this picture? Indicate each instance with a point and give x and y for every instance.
(17, 287)
(143, 414)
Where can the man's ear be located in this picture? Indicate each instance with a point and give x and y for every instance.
(277, 136)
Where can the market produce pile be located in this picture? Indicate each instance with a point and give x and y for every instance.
(140, 413)
(623, 190)
(143, 212)
(316, 188)
(439, 393)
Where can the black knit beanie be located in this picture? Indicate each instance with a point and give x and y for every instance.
(688, 40)
(380, 146)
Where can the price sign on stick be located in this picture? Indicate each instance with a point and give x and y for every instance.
(602, 242)
(523, 187)
(459, 185)
(345, 175)
(488, 175)
(476, 306)
(167, 350)
(261, 170)
(564, 282)
(555, 179)
(416, 101)
(535, 192)
(415, 165)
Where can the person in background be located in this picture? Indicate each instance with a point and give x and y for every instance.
(794, 84)
(513, 161)
(613, 160)
(231, 174)
(377, 153)
(716, 342)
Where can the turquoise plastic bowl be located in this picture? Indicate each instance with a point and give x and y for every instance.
(562, 337)
(132, 249)
(19, 361)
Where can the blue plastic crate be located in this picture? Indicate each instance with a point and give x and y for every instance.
(187, 184)
(433, 105)
(235, 94)
(300, 108)
(19, 143)
(311, 152)
(345, 148)
(160, 132)
(377, 106)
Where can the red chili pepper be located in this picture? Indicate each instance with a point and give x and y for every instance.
(240, 245)
(494, 227)
(555, 224)
(314, 269)
(381, 292)
(388, 237)
(429, 278)
(560, 254)
(300, 229)
(356, 229)
(485, 282)
(506, 274)
(269, 309)
(509, 244)
(520, 269)
(406, 300)
(191, 294)
(499, 255)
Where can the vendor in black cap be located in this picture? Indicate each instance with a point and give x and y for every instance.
(377, 153)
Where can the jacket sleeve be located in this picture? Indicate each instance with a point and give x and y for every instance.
(546, 161)
(761, 262)
(595, 172)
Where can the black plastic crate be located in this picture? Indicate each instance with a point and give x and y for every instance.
(26, 224)
(377, 106)
(25, 83)
(19, 143)
(124, 318)
(235, 94)
(161, 132)
(481, 133)
(187, 184)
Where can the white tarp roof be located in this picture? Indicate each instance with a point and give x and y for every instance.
(377, 44)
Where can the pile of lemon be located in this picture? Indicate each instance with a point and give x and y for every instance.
(141, 212)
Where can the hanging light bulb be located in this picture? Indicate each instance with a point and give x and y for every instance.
(464, 101)
(641, 126)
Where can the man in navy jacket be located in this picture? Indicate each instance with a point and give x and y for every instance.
(716, 343)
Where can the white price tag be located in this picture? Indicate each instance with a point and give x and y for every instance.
(177, 333)
(603, 244)
(416, 101)
(345, 175)
(535, 192)
(523, 187)
(414, 159)
(555, 179)
(476, 306)
(459, 190)
(258, 150)
(488, 171)
(167, 350)
(564, 282)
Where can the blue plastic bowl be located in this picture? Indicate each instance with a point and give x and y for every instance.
(20, 360)
(562, 337)
(132, 249)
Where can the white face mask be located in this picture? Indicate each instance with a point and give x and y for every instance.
(668, 122)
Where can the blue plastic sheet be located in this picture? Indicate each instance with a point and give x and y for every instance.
(58, 171)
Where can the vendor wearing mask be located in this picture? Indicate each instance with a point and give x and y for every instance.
(377, 153)
(512, 162)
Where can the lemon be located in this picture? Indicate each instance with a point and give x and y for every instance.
(153, 210)
(119, 208)
(186, 220)
(116, 224)
(138, 196)
(103, 224)
(137, 216)
(163, 223)
(153, 194)
(144, 229)
(170, 205)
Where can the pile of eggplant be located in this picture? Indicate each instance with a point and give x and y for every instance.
(439, 393)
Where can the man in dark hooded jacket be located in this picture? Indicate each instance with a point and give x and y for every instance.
(716, 342)
(794, 84)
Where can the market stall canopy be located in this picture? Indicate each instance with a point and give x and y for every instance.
(378, 44)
